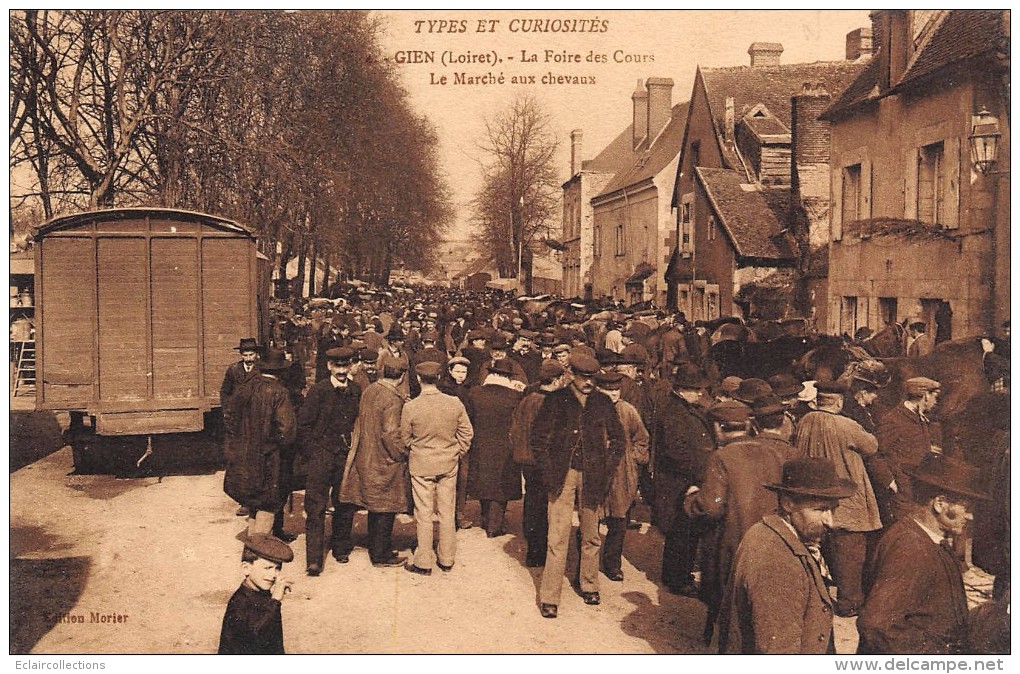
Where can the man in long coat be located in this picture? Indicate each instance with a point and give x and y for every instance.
(377, 477)
(259, 423)
(682, 440)
(733, 494)
(624, 485)
(827, 434)
(243, 370)
(325, 429)
(493, 477)
(915, 598)
(905, 436)
(578, 440)
(780, 603)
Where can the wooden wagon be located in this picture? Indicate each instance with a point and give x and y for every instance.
(138, 314)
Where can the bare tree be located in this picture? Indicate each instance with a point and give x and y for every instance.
(517, 202)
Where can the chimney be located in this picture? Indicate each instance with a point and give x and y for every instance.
(640, 98)
(859, 43)
(810, 135)
(728, 122)
(660, 104)
(765, 53)
(575, 151)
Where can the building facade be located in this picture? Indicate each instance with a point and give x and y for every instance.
(751, 189)
(918, 232)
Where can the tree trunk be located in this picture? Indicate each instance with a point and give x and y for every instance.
(314, 251)
(327, 289)
(301, 266)
(281, 272)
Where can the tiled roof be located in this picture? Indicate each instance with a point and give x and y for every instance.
(752, 218)
(648, 163)
(615, 156)
(771, 85)
(767, 126)
(961, 35)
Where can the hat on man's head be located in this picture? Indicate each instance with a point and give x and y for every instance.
(561, 348)
(916, 386)
(429, 336)
(269, 547)
(458, 360)
(831, 386)
(610, 381)
(766, 406)
(547, 339)
(689, 375)
(502, 366)
(398, 365)
(498, 343)
(785, 385)
(550, 369)
(274, 360)
(813, 477)
(472, 335)
(728, 412)
(367, 355)
(340, 355)
(955, 476)
(606, 357)
(583, 364)
(429, 368)
(395, 333)
(752, 389)
(247, 344)
(729, 385)
(527, 334)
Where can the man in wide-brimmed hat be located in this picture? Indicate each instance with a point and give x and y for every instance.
(243, 370)
(779, 601)
(915, 599)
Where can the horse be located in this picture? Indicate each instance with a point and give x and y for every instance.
(889, 342)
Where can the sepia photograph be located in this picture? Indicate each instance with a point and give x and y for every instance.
(510, 332)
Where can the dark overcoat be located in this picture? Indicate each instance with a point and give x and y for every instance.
(914, 597)
(259, 423)
(682, 441)
(561, 423)
(234, 377)
(492, 473)
(377, 476)
(252, 624)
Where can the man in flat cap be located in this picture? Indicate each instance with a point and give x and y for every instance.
(377, 477)
(253, 623)
(435, 429)
(578, 440)
(780, 603)
(733, 491)
(552, 377)
(325, 428)
(827, 434)
(905, 436)
(624, 484)
(915, 597)
(920, 342)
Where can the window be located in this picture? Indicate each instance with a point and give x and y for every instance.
(712, 310)
(621, 240)
(686, 224)
(887, 310)
(848, 316)
(596, 241)
(930, 166)
(851, 193)
(711, 228)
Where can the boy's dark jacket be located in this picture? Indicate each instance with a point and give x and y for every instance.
(252, 624)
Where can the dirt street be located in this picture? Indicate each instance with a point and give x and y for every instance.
(146, 565)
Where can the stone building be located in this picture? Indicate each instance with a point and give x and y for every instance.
(920, 231)
(751, 191)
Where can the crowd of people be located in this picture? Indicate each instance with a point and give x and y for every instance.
(782, 501)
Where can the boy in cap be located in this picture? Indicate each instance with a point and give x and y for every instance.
(253, 623)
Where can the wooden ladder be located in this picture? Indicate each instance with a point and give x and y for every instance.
(24, 374)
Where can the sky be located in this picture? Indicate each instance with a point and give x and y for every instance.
(647, 43)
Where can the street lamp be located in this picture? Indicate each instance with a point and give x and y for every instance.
(984, 140)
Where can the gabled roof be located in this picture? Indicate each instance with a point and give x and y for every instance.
(960, 36)
(646, 164)
(615, 156)
(752, 218)
(771, 85)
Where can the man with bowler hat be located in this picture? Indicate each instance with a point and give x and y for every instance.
(243, 370)
(915, 601)
(780, 601)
